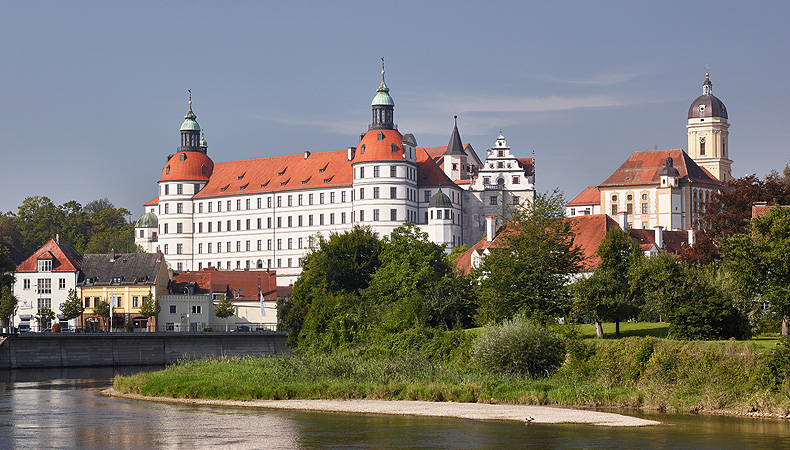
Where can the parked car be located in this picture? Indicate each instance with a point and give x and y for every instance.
(242, 328)
(24, 327)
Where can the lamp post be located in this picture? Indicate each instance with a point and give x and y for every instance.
(189, 324)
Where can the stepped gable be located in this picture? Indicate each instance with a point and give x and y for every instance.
(237, 284)
(644, 167)
(65, 258)
(589, 196)
(428, 171)
(131, 268)
(279, 173)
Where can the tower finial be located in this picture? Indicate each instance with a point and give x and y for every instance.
(190, 97)
(382, 67)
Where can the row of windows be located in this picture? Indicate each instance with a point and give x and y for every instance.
(514, 180)
(44, 285)
(259, 264)
(180, 189)
(195, 309)
(628, 197)
(411, 172)
(118, 301)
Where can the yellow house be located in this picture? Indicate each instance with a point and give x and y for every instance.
(123, 281)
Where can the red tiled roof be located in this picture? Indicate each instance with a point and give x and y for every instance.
(279, 173)
(674, 241)
(528, 165)
(380, 150)
(188, 166)
(758, 209)
(64, 258)
(153, 202)
(244, 284)
(589, 196)
(643, 168)
(428, 172)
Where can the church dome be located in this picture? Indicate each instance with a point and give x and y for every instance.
(440, 200)
(707, 104)
(188, 166)
(147, 220)
(669, 170)
(190, 122)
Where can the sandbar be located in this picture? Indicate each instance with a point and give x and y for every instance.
(477, 411)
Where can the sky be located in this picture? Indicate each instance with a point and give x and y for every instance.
(92, 94)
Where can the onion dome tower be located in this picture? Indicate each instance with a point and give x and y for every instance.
(383, 106)
(708, 133)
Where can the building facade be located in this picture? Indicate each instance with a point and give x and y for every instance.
(263, 213)
(667, 188)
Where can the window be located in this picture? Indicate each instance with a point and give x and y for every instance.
(343, 197)
(644, 208)
(362, 216)
(290, 221)
(269, 202)
(376, 171)
(299, 243)
(614, 198)
(516, 200)
(200, 248)
(331, 197)
(362, 193)
(219, 226)
(393, 215)
(247, 203)
(343, 217)
(167, 186)
(614, 210)
(427, 195)
(247, 246)
(200, 227)
(492, 200)
(309, 199)
(227, 248)
(331, 218)
(165, 249)
(172, 309)
(455, 166)
(179, 207)
(320, 219)
(26, 284)
(209, 227)
(361, 172)
(629, 197)
(393, 192)
(516, 180)
(629, 208)
(299, 221)
(180, 187)
(135, 301)
(167, 208)
(393, 171)
(644, 196)
(209, 206)
(279, 244)
(219, 206)
(290, 243)
(179, 249)
(165, 232)
(197, 309)
(259, 245)
(227, 225)
(87, 302)
(45, 265)
(238, 246)
(208, 247)
(279, 222)
(238, 202)
(179, 227)
(376, 214)
(376, 192)
(119, 301)
(321, 198)
(268, 222)
(500, 164)
(259, 223)
(486, 180)
(290, 200)
(268, 244)
(279, 201)
(238, 225)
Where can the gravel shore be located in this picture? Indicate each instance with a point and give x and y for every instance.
(477, 411)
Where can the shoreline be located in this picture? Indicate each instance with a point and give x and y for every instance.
(473, 411)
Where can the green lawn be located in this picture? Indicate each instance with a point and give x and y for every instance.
(655, 329)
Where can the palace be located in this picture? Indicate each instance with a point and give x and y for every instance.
(263, 213)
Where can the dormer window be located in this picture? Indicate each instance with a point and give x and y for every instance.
(183, 157)
(203, 169)
(395, 148)
(381, 136)
(362, 149)
(167, 170)
(45, 265)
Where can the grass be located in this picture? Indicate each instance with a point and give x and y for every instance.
(627, 329)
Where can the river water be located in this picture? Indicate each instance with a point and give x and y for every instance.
(62, 408)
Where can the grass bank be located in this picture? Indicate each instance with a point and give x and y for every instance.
(635, 372)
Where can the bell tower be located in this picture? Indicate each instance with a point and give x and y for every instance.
(708, 133)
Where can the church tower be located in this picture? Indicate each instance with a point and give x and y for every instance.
(708, 133)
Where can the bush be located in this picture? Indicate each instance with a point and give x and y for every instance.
(518, 346)
(128, 327)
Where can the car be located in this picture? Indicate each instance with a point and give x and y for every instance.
(24, 327)
(242, 328)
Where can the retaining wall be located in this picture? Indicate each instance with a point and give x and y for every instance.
(32, 350)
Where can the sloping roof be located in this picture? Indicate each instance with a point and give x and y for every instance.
(528, 165)
(188, 166)
(429, 173)
(132, 268)
(279, 173)
(153, 202)
(240, 285)
(380, 145)
(589, 196)
(64, 258)
(455, 147)
(643, 168)
(674, 241)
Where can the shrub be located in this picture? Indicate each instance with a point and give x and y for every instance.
(518, 346)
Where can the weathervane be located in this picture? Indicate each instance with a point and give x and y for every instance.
(190, 95)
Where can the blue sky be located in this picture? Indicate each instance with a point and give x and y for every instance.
(92, 95)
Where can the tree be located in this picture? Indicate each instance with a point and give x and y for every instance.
(39, 220)
(150, 307)
(44, 317)
(103, 310)
(344, 263)
(72, 307)
(7, 268)
(224, 309)
(8, 304)
(120, 239)
(759, 262)
(529, 269)
(449, 303)
(660, 283)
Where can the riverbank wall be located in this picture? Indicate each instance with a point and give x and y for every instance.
(46, 350)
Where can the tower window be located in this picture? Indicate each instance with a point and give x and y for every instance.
(167, 170)
(381, 136)
(702, 146)
(394, 148)
(183, 157)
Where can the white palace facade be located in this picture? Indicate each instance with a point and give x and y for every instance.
(264, 212)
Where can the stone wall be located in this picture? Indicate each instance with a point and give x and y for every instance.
(31, 350)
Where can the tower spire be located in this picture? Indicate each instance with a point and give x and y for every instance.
(383, 106)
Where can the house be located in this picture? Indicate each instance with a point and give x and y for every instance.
(44, 280)
(194, 295)
(124, 281)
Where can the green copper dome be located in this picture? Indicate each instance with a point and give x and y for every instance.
(440, 200)
(147, 220)
(382, 97)
(190, 124)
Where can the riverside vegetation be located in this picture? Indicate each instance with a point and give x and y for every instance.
(390, 319)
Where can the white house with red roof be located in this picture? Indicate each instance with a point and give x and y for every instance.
(263, 213)
(667, 188)
(43, 281)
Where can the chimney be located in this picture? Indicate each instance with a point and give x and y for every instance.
(57, 238)
(351, 152)
(659, 236)
(112, 255)
(692, 236)
(623, 215)
(306, 154)
(158, 255)
(490, 228)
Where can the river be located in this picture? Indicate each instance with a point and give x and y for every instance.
(62, 409)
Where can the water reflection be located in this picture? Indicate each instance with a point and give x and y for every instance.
(61, 408)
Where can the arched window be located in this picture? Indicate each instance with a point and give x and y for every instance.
(203, 169)
(183, 156)
(167, 169)
(381, 136)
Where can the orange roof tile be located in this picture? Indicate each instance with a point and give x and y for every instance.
(64, 258)
(674, 241)
(241, 284)
(589, 196)
(528, 165)
(187, 166)
(153, 202)
(429, 173)
(388, 148)
(279, 173)
(643, 167)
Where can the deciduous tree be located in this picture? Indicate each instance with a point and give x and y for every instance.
(224, 309)
(150, 308)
